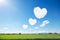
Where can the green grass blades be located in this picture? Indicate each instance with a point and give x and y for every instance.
(29, 36)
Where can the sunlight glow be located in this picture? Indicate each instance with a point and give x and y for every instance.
(3, 2)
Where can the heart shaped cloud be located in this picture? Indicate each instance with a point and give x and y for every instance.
(32, 21)
(40, 13)
(25, 26)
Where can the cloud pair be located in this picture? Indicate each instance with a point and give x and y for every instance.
(34, 21)
(31, 22)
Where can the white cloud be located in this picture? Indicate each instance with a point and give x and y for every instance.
(25, 26)
(9, 27)
(32, 21)
(44, 23)
(10, 31)
(42, 31)
(5, 28)
(36, 28)
(40, 13)
(34, 32)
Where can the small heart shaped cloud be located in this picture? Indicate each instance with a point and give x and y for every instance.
(25, 26)
(40, 13)
(32, 21)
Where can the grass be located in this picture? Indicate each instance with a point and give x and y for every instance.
(30, 36)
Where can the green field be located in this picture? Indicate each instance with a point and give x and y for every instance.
(29, 36)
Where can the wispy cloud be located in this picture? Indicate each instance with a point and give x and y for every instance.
(44, 23)
(5, 28)
(36, 28)
(34, 32)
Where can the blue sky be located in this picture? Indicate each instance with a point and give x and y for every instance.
(15, 16)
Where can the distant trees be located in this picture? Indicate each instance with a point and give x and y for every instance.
(20, 33)
(53, 33)
(50, 33)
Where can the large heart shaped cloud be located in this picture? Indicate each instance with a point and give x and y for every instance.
(32, 21)
(40, 13)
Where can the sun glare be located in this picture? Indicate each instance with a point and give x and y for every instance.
(3, 2)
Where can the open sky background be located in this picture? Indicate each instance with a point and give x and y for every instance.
(15, 13)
